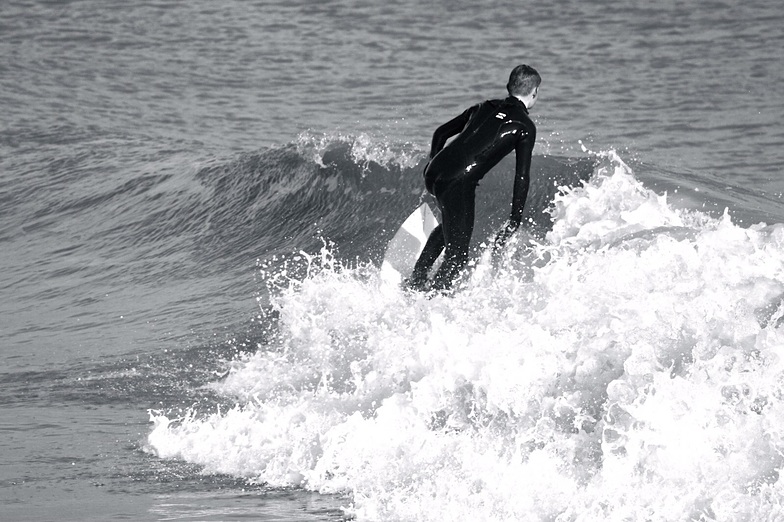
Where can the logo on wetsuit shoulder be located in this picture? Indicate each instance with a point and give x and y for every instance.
(500, 115)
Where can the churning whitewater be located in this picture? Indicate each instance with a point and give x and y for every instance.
(626, 367)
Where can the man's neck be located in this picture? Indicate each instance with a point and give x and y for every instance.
(527, 100)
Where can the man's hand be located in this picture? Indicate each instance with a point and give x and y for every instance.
(503, 235)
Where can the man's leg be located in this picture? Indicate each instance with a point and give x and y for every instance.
(433, 247)
(457, 212)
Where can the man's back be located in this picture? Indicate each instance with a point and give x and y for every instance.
(487, 132)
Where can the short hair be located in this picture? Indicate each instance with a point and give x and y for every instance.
(523, 80)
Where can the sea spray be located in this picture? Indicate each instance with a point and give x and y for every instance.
(628, 367)
(363, 149)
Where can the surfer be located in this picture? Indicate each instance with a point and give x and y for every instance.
(486, 133)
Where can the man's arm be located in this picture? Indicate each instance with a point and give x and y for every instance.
(449, 129)
(523, 152)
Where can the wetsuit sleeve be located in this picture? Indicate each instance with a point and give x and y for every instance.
(449, 129)
(523, 152)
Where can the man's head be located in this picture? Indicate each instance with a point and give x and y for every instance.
(524, 84)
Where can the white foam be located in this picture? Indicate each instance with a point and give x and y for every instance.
(362, 148)
(629, 368)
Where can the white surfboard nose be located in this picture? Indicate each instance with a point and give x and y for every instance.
(405, 247)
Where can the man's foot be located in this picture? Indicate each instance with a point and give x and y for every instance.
(415, 283)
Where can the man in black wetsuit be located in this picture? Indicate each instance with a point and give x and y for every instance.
(486, 133)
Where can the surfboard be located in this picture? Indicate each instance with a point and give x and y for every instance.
(406, 245)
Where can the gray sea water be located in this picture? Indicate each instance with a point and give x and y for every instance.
(151, 152)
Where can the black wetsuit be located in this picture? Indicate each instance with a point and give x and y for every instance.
(486, 133)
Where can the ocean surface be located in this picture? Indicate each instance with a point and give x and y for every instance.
(195, 198)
